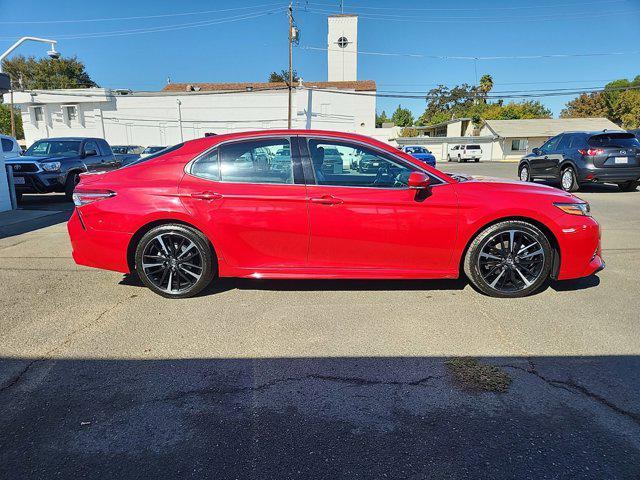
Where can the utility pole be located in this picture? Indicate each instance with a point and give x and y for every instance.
(11, 112)
(290, 64)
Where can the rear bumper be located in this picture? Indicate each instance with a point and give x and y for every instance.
(98, 248)
(608, 174)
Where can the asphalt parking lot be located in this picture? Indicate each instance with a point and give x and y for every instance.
(100, 378)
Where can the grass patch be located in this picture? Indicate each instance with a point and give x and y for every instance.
(473, 375)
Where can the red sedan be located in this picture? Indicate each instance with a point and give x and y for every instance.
(271, 204)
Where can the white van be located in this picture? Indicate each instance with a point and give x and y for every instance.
(464, 153)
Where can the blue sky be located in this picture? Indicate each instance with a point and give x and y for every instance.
(246, 39)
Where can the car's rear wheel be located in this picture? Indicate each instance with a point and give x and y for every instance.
(524, 175)
(568, 180)
(628, 186)
(174, 261)
(73, 178)
(509, 259)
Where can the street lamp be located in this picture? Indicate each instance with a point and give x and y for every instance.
(53, 53)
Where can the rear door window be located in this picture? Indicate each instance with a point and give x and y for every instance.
(257, 161)
(565, 142)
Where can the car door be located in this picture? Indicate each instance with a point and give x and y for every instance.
(94, 163)
(541, 164)
(255, 212)
(363, 220)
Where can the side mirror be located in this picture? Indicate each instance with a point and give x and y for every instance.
(90, 153)
(536, 151)
(419, 180)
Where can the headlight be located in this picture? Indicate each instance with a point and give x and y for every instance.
(51, 166)
(575, 208)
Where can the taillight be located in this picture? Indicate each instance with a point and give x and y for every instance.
(592, 152)
(84, 197)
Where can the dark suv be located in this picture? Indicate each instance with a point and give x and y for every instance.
(55, 164)
(576, 158)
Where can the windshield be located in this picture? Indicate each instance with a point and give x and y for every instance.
(153, 149)
(616, 140)
(58, 148)
(156, 155)
(416, 150)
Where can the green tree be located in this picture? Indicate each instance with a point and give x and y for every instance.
(586, 105)
(402, 117)
(485, 86)
(627, 109)
(380, 119)
(47, 73)
(283, 76)
(408, 132)
(5, 122)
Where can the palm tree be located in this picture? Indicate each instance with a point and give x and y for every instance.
(486, 85)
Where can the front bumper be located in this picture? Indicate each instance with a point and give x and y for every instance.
(580, 248)
(40, 182)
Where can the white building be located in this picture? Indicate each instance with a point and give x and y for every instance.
(186, 111)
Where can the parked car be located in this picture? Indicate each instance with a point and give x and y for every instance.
(464, 153)
(55, 164)
(9, 147)
(333, 162)
(420, 153)
(151, 150)
(370, 163)
(577, 158)
(282, 159)
(126, 153)
(189, 216)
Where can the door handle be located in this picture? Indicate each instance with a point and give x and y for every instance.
(326, 200)
(206, 196)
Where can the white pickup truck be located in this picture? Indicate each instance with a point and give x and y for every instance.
(464, 153)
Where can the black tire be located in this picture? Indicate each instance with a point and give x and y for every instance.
(568, 180)
(459, 159)
(524, 173)
(448, 158)
(73, 178)
(501, 278)
(166, 255)
(628, 186)
(477, 160)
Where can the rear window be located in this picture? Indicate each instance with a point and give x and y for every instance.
(615, 140)
(473, 147)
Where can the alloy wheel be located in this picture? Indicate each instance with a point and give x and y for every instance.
(172, 262)
(567, 179)
(524, 174)
(511, 261)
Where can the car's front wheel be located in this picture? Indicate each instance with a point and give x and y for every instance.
(509, 259)
(174, 261)
(73, 178)
(628, 186)
(568, 180)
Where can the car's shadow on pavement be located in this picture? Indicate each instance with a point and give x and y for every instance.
(220, 285)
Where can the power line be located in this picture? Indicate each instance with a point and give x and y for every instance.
(475, 58)
(140, 17)
(475, 20)
(165, 28)
(475, 9)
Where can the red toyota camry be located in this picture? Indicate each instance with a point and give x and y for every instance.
(313, 204)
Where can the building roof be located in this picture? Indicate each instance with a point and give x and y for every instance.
(547, 127)
(357, 85)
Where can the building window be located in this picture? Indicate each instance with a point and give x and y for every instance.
(70, 113)
(38, 114)
(519, 145)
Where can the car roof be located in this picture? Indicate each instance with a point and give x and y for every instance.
(79, 139)
(594, 132)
